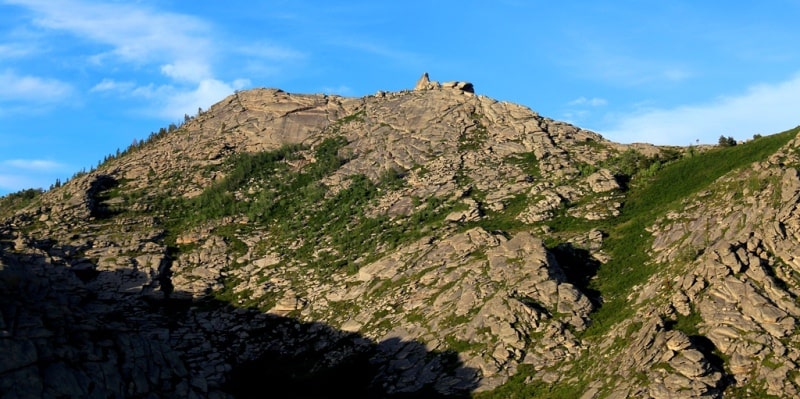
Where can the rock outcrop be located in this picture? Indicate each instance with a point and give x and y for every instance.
(424, 83)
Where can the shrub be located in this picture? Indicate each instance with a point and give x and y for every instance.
(727, 141)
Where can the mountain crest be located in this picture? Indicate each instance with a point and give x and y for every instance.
(423, 242)
(424, 83)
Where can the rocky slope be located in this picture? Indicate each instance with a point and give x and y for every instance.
(431, 242)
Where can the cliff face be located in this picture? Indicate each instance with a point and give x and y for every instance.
(432, 241)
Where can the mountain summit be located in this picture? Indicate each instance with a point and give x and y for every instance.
(429, 242)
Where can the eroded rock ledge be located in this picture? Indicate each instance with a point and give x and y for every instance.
(424, 83)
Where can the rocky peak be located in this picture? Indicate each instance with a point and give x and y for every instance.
(424, 83)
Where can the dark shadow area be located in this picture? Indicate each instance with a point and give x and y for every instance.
(99, 194)
(304, 377)
(535, 305)
(710, 351)
(707, 348)
(65, 337)
(580, 268)
(315, 360)
(624, 181)
(770, 271)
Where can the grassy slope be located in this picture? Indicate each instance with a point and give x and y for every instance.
(628, 242)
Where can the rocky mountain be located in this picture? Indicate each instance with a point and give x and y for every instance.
(424, 243)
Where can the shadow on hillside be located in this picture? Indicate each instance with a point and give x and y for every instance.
(711, 353)
(262, 355)
(99, 194)
(580, 268)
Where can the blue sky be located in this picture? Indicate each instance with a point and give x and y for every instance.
(80, 78)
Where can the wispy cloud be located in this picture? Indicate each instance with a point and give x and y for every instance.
(341, 90)
(207, 93)
(15, 182)
(41, 165)
(381, 50)
(616, 65)
(762, 109)
(592, 102)
(582, 108)
(182, 48)
(15, 50)
(173, 103)
(135, 33)
(189, 71)
(629, 70)
(18, 174)
(111, 85)
(16, 87)
(271, 51)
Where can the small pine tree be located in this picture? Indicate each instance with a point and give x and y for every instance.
(726, 141)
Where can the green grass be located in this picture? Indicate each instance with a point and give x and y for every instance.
(473, 139)
(628, 243)
(356, 117)
(505, 220)
(527, 162)
(300, 214)
(688, 176)
(689, 324)
(13, 202)
(517, 388)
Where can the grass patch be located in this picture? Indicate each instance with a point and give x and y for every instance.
(13, 202)
(473, 139)
(519, 386)
(527, 162)
(299, 213)
(688, 324)
(628, 242)
(505, 220)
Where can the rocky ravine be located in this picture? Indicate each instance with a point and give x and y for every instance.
(441, 275)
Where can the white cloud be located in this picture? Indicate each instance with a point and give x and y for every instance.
(15, 87)
(381, 50)
(15, 50)
(19, 174)
(174, 102)
(107, 85)
(135, 33)
(40, 165)
(182, 48)
(593, 102)
(187, 71)
(342, 90)
(599, 61)
(271, 51)
(15, 182)
(205, 94)
(762, 109)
